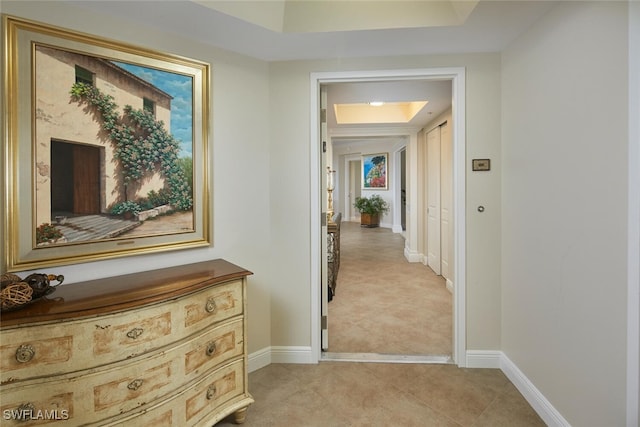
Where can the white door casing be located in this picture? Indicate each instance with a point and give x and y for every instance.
(324, 206)
(457, 76)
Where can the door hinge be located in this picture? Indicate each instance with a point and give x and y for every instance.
(324, 322)
(324, 146)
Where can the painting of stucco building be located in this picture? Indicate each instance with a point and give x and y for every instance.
(75, 167)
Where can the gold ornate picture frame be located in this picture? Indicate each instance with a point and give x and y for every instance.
(105, 148)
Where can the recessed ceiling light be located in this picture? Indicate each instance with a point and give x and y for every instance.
(384, 112)
(376, 103)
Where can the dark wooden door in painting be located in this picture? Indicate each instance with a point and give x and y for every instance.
(75, 178)
(86, 182)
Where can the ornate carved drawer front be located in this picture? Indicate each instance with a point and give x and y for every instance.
(224, 385)
(127, 386)
(212, 305)
(60, 399)
(191, 407)
(175, 356)
(37, 351)
(216, 346)
(124, 336)
(101, 394)
(28, 355)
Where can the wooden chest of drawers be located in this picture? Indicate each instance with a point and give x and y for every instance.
(161, 348)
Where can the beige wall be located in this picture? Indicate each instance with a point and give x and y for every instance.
(240, 157)
(290, 100)
(565, 148)
(259, 182)
(550, 114)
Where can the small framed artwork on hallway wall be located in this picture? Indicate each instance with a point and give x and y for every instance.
(374, 171)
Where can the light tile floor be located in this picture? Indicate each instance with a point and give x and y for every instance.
(385, 304)
(341, 394)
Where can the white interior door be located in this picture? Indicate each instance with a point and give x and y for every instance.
(324, 279)
(421, 202)
(446, 201)
(354, 188)
(433, 200)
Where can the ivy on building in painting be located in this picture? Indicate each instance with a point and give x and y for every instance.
(141, 144)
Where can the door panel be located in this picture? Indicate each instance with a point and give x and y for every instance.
(433, 200)
(354, 188)
(446, 200)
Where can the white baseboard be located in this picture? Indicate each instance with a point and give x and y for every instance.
(397, 228)
(484, 359)
(538, 402)
(280, 354)
(259, 359)
(498, 360)
(292, 354)
(412, 256)
(449, 286)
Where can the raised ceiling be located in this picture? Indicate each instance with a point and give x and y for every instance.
(305, 16)
(279, 30)
(437, 93)
(264, 30)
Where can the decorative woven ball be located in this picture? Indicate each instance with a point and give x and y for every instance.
(9, 278)
(15, 295)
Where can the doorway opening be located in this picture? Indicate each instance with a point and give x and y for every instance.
(75, 179)
(456, 77)
(353, 186)
(403, 190)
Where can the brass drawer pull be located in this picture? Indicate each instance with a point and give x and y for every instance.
(135, 333)
(25, 353)
(135, 384)
(210, 307)
(211, 392)
(211, 348)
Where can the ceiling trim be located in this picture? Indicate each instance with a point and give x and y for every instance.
(371, 131)
(314, 16)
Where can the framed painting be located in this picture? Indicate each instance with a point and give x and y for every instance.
(105, 148)
(374, 171)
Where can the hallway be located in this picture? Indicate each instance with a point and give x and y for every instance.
(383, 303)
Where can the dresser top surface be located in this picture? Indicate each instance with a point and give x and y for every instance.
(128, 291)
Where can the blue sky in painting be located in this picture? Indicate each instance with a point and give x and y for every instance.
(181, 89)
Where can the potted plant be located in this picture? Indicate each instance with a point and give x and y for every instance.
(371, 208)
